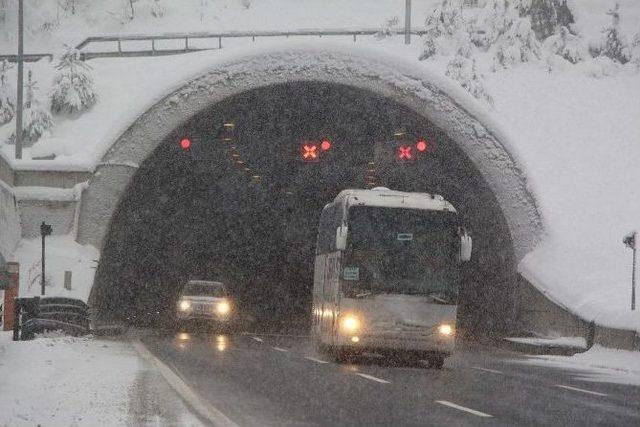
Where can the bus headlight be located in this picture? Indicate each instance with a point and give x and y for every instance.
(349, 324)
(223, 308)
(446, 330)
(184, 305)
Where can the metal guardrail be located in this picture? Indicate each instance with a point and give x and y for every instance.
(184, 38)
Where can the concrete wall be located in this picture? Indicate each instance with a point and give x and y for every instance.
(10, 227)
(59, 214)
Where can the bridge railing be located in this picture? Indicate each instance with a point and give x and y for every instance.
(135, 45)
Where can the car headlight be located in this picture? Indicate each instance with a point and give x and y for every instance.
(223, 307)
(445, 329)
(184, 305)
(350, 324)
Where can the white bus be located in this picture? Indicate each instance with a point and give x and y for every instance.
(387, 274)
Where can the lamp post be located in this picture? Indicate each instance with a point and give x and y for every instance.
(18, 147)
(630, 240)
(45, 230)
(407, 22)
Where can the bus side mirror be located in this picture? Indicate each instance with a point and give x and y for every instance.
(341, 237)
(465, 245)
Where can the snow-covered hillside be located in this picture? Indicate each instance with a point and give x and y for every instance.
(574, 127)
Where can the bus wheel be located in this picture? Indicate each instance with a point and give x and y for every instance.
(436, 362)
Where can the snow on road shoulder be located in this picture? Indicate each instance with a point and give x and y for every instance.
(65, 381)
(599, 364)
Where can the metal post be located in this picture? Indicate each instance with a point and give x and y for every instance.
(407, 22)
(633, 278)
(42, 276)
(18, 148)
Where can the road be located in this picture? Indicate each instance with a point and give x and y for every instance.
(267, 380)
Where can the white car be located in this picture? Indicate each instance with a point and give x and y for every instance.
(204, 300)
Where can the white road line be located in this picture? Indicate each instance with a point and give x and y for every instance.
(284, 350)
(313, 359)
(462, 408)
(193, 399)
(595, 393)
(372, 378)
(257, 339)
(493, 371)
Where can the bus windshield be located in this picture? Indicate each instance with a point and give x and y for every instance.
(204, 289)
(401, 251)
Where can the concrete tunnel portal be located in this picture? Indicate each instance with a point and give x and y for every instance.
(246, 211)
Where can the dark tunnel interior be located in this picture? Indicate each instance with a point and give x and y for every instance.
(245, 210)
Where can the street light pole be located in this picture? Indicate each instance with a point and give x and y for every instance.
(631, 241)
(45, 230)
(407, 22)
(18, 152)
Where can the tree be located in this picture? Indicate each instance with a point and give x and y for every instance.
(157, 9)
(388, 29)
(73, 85)
(36, 120)
(615, 46)
(517, 45)
(544, 18)
(445, 27)
(463, 70)
(492, 22)
(7, 99)
(567, 45)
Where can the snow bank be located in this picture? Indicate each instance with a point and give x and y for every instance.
(552, 342)
(62, 253)
(64, 381)
(599, 364)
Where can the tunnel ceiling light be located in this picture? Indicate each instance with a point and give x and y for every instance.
(185, 143)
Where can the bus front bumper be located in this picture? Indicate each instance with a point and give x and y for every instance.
(435, 343)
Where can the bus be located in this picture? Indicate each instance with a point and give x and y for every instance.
(387, 273)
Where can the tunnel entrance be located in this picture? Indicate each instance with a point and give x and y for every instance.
(245, 211)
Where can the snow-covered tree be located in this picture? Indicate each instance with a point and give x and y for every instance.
(614, 45)
(564, 14)
(567, 45)
(245, 3)
(543, 18)
(518, 44)
(73, 85)
(157, 9)
(635, 49)
(445, 30)
(36, 120)
(7, 98)
(492, 22)
(463, 70)
(389, 28)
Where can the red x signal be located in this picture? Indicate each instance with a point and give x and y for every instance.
(405, 152)
(309, 152)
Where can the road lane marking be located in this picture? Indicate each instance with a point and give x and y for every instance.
(493, 371)
(257, 339)
(372, 378)
(313, 359)
(462, 408)
(192, 398)
(595, 393)
(284, 350)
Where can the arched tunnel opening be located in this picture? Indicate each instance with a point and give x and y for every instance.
(245, 211)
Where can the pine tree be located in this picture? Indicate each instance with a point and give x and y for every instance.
(7, 98)
(567, 45)
(463, 70)
(157, 9)
(492, 22)
(36, 120)
(443, 25)
(518, 44)
(73, 85)
(615, 46)
(544, 18)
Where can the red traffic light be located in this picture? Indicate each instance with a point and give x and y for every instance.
(325, 144)
(421, 145)
(185, 143)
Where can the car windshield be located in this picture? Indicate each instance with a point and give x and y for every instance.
(401, 251)
(203, 289)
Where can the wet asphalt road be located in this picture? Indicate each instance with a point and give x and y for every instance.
(266, 380)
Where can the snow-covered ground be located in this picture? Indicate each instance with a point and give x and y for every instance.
(64, 381)
(599, 364)
(574, 128)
